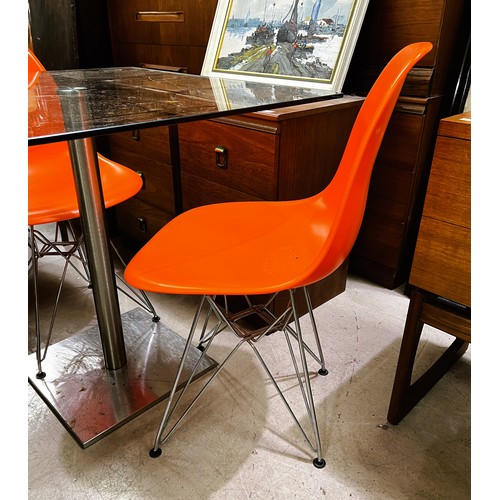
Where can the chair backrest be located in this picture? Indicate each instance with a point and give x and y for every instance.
(345, 196)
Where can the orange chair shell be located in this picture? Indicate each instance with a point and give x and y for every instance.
(51, 188)
(248, 248)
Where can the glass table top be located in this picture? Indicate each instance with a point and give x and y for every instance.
(71, 104)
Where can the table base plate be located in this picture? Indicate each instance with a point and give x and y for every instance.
(91, 401)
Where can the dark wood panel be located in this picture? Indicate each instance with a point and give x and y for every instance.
(389, 25)
(152, 143)
(157, 178)
(68, 34)
(197, 191)
(401, 144)
(380, 240)
(139, 220)
(187, 22)
(323, 137)
(133, 54)
(391, 190)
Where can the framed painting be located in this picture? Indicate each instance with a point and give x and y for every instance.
(302, 43)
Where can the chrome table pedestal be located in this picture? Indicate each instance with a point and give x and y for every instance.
(91, 401)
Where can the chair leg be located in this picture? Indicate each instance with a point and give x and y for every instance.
(34, 265)
(138, 296)
(301, 372)
(319, 461)
(169, 410)
(320, 359)
(47, 248)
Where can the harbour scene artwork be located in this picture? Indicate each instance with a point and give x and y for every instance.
(300, 39)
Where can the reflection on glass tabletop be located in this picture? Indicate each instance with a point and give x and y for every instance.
(69, 104)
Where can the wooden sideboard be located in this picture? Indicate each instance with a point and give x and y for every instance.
(281, 154)
(384, 249)
(440, 273)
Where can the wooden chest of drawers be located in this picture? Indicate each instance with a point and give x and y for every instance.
(442, 260)
(281, 154)
(440, 273)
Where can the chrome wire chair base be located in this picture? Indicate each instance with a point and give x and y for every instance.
(274, 324)
(138, 296)
(68, 244)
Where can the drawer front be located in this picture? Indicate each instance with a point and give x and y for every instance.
(448, 192)
(152, 143)
(189, 57)
(157, 178)
(441, 263)
(140, 220)
(172, 22)
(235, 157)
(197, 191)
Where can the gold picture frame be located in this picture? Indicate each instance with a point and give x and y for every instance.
(301, 43)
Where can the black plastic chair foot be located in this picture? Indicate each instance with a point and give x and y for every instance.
(156, 319)
(319, 464)
(323, 371)
(40, 375)
(155, 453)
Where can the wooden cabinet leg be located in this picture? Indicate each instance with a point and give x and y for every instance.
(405, 394)
(399, 405)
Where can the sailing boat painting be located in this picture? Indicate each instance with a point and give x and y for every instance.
(304, 43)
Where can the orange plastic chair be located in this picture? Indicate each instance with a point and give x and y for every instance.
(252, 248)
(52, 199)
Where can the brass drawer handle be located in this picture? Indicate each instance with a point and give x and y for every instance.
(221, 157)
(160, 17)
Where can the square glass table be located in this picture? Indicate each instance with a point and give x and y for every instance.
(102, 377)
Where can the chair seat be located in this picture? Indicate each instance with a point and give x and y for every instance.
(217, 249)
(51, 188)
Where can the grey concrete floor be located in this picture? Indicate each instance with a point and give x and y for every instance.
(239, 442)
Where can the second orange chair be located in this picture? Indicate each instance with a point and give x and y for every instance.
(52, 199)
